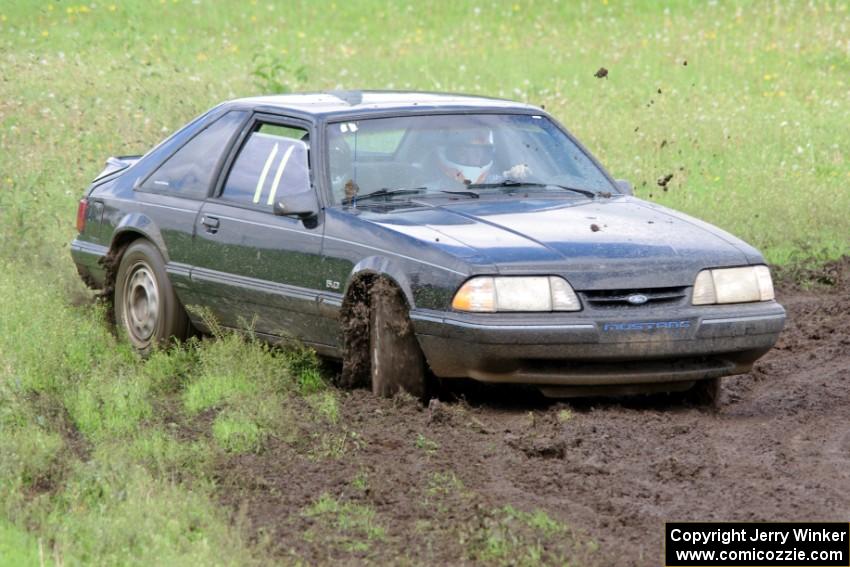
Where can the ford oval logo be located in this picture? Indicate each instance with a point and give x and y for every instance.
(637, 299)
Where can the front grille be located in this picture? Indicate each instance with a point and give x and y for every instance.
(619, 298)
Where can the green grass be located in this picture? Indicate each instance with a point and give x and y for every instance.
(86, 461)
(349, 525)
(97, 462)
(507, 536)
(246, 427)
(160, 452)
(565, 415)
(325, 404)
(125, 516)
(19, 549)
(430, 447)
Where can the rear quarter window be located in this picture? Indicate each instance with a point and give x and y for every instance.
(190, 171)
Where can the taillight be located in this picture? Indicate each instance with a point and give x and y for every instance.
(82, 210)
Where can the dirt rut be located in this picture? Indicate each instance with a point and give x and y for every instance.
(778, 448)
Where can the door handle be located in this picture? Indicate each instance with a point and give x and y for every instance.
(211, 224)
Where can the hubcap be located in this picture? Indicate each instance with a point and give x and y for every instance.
(141, 303)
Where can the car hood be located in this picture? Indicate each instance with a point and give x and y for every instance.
(601, 244)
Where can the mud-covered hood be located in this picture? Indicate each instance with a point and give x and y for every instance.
(600, 244)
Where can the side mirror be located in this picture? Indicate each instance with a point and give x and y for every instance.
(302, 205)
(625, 187)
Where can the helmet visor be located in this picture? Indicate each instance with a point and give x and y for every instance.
(477, 155)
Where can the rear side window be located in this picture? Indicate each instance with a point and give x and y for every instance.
(190, 171)
(272, 163)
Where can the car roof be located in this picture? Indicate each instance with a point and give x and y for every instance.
(341, 103)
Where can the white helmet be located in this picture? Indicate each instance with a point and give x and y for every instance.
(467, 155)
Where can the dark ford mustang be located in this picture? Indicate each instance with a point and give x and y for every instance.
(417, 235)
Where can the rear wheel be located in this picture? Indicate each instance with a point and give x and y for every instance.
(704, 393)
(396, 361)
(146, 307)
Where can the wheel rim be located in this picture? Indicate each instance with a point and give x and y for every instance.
(141, 303)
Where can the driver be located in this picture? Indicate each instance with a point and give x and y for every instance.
(465, 157)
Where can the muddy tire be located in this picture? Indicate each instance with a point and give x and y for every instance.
(704, 393)
(396, 361)
(147, 310)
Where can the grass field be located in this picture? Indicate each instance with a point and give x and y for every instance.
(746, 104)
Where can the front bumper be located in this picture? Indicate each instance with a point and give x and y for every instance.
(639, 346)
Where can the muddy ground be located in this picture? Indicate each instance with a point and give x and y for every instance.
(612, 471)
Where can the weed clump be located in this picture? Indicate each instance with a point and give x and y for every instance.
(507, 536)
(277, 75)
(350, 526)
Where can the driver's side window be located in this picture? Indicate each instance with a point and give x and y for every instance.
(189, 172)
(272, 163)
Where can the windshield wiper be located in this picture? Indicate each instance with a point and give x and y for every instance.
(385, 192)
(515, 183)
(472, 194)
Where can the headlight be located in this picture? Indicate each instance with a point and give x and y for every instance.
(487, 294)
(733, 285)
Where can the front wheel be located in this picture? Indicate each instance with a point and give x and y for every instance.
(397, 362)
(146, 307)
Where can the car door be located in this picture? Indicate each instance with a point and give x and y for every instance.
(173, 193)
(263, 270)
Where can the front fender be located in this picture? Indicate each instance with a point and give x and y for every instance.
(386, 267)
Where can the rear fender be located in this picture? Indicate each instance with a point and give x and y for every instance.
(131, 227)
(139, 224)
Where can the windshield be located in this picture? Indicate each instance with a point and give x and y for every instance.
(470, 154)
